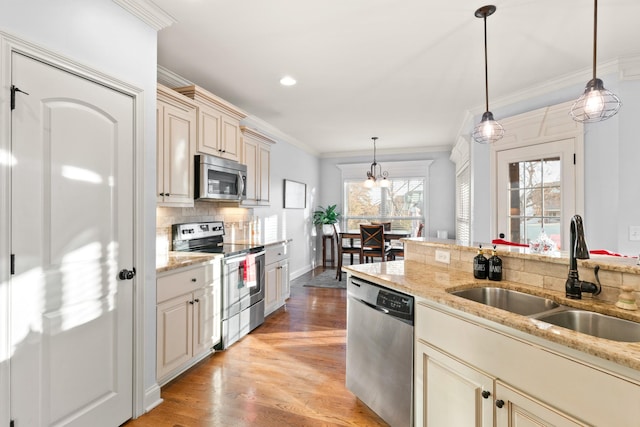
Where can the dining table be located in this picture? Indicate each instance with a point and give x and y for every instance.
(355, 234)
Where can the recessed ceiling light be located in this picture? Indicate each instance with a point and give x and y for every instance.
(287, 81)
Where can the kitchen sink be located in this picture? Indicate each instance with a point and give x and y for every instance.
(507, 299)
(594, 324)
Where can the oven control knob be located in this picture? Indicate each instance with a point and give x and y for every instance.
(127, 274)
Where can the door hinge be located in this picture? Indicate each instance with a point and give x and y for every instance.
(14, 89)
(13, 264)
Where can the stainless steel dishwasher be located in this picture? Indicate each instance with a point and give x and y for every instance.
(380, 350)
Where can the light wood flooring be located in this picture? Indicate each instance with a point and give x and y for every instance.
(290, 371)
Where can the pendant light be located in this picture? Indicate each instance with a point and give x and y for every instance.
(596, 103)
(375, 175)
(488, 130)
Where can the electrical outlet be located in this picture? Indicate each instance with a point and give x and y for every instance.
(443, 256)
(634, 232)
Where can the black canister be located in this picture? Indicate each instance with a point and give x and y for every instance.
(480, 265)
(495, 266)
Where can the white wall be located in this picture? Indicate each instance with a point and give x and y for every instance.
(103, 36)
(292, 163)
(441, 192)
(612, 156)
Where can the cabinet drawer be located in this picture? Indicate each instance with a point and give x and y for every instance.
(275, 253)
(180, 282)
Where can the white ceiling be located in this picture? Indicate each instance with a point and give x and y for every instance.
(406, 71)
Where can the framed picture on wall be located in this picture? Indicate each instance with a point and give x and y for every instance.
(295, 194)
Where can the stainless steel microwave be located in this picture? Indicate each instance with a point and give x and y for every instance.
(219, 179)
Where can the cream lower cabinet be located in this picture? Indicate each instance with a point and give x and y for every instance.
(457, 394)
(256, 154)
(277, 288)
(468, 374)
(176, 139)
(188, 318)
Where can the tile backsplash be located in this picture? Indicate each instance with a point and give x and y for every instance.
(240, 223)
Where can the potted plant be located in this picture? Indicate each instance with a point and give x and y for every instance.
(326, 217)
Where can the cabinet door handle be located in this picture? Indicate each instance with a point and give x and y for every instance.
(191, 302)
(196, 300)
(194, 280)
(499, 403)
(162, 194)
(486, 394)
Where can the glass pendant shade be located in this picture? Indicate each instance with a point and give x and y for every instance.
(596, 104)
(488, 130)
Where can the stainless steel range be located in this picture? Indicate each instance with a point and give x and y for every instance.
(242, 301)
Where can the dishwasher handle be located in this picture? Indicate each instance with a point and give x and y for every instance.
(375, 307)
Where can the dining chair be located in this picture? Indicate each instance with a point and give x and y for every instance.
(385, 225)
(345, 246)
(372, 243)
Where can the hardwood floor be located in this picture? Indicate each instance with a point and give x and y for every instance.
(290, 371)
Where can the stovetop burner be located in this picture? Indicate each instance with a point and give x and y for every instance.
(207, 237)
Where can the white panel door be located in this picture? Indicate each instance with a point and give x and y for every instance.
(536, 191)
(72, 232)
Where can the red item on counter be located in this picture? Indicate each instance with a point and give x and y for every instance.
(606, 252)
(249, 274)
(506, 242)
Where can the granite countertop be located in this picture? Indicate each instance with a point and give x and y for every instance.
(173, 260)
(433, 283)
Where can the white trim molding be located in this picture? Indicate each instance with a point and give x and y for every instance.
(395, 169)
(148, 12)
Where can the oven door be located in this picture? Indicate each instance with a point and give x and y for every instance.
(257, 292)
(235, 294)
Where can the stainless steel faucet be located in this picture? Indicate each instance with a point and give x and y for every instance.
(578, 250)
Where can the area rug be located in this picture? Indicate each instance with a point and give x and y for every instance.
(326, 279)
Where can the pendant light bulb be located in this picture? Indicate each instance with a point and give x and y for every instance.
(488, 130)
(596, 103)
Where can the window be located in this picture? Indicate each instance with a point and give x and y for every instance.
(534, 199)
(401, 203)
(463, 205)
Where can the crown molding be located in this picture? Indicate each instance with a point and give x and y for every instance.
(170, 79)
(148, 12)
(389, 151)
(627, 68)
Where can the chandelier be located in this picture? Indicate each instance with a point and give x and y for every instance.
(596, 103)
(375, 175)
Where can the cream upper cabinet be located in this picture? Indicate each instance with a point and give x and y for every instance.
(218, 124)
(176, 139)
(256, 154)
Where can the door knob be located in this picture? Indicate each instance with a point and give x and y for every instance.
(500, 403)
(127, 274)
(486, 394)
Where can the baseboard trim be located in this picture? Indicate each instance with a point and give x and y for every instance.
(152, 398)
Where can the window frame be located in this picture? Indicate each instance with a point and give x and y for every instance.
(413, 169)
(544, 125)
